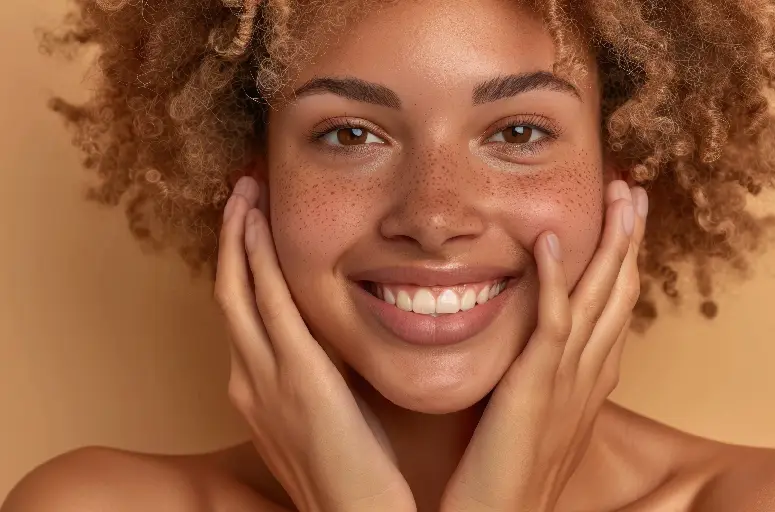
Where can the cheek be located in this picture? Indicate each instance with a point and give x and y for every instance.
(567, 200)
(315, 216)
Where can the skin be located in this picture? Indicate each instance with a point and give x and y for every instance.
(435, 193)
(435, 188)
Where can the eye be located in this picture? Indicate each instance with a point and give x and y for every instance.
(519, 134)
(350, 136)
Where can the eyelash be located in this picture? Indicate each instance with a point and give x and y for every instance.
(329, 125)
(551, 131)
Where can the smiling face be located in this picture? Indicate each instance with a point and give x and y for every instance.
(425, 151)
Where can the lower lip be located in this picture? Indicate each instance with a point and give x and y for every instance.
(445, 329)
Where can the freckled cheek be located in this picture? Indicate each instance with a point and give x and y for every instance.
(569, 204)
(315, 219)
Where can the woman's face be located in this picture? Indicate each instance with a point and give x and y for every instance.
(426, 149)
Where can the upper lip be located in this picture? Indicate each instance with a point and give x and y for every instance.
(433, 276)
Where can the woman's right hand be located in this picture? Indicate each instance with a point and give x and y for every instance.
(306, 423)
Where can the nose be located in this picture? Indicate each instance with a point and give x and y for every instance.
(436, 203)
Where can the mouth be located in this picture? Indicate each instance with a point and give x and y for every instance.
(436, 300)
(433, 315)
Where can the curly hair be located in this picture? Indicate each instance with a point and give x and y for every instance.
(185, 85)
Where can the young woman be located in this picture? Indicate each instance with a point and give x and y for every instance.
(435, 251)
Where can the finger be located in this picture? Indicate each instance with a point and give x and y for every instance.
(608, 377)
(288, 334)
(591, 294)
(624, 296)
(616, 315)
(241, 384)
(545, 347)
(232, 283)
(640, 201)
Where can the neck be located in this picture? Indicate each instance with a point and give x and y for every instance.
(428, 447)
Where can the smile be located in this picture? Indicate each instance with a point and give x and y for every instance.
(436, 300)
(425, 306)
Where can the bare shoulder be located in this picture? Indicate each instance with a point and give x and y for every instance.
(658, 467)
(744, 481)
(98, 479)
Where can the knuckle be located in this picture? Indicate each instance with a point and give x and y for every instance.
(609, 379)
(614, 381)
(225, 299)
(631, 292)
(271, 308)
(564, 379)
(241, 394)
(558, 326)
(592, 312)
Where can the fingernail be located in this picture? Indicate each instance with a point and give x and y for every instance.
(241, 188)
(250, 229)
(628, 219)
(622, 191)
(641, 200)
(229, 209)
(554, 246)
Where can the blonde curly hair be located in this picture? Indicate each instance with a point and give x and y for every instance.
(185, 85)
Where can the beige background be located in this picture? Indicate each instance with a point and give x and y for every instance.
(101, 344)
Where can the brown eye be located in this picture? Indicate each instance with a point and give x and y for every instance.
(351, 136)
(518, 134)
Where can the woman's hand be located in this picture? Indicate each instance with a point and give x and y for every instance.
(537, 423)
(306, 423)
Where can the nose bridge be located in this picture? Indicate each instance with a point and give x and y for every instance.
(437, 201)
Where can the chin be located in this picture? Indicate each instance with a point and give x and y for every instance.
(441, 404)
(424, 377)
(435, 389)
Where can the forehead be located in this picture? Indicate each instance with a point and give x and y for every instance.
(436, 43)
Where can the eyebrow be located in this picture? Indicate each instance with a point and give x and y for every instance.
(352, 89)
(491, 90)
(513, 85)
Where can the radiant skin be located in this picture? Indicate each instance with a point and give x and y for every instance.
(440, 168)
(435, 185)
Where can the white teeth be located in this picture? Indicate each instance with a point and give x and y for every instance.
(448, 302)
(389, 297)
(423, 302)
(468, 301)
(484, 295)
(403, 301)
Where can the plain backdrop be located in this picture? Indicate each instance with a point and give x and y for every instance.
(103, 344)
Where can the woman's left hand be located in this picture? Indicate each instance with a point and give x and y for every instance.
(537, 424)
